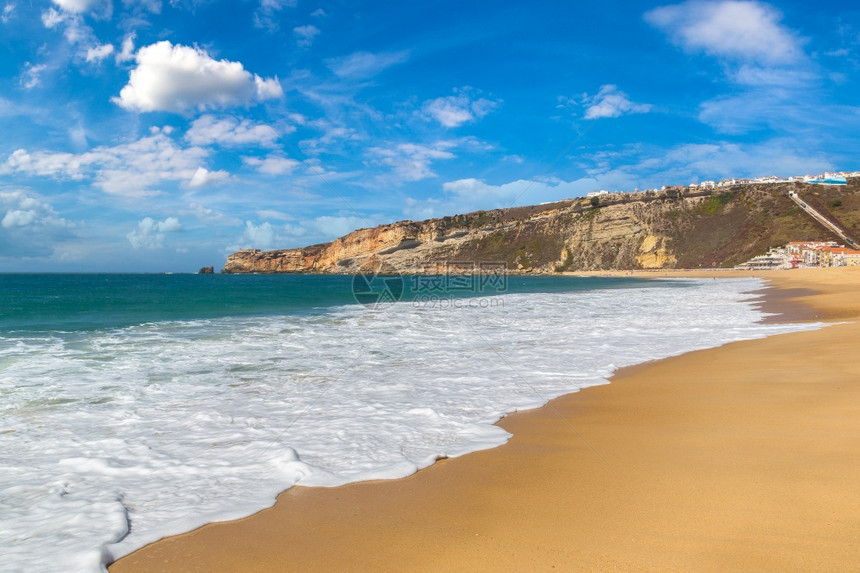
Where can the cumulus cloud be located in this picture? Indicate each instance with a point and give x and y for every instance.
(230, 132)
(411, 161)
(75, 6)
(204, 177)
(364, 65)
(183, 78)
(52, 18)
(132, 169)
(18, 218)
(733, 29)
(150, 233)
(260, 236)
(98, 53)
(29, 226)
(305, 35)
(271, 164)
(266, 236)
(610, 102)
(455, 110)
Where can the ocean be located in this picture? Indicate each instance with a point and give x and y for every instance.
(138, 406)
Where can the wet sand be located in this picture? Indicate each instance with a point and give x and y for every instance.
(744, 457)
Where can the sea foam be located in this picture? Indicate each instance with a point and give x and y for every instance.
(112, 439)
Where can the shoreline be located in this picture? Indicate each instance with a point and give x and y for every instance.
(654, 474)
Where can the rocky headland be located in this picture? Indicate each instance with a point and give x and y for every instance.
(672, 228)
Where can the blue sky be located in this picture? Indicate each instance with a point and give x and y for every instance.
(156, 135)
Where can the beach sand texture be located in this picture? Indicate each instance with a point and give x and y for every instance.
(739, 458)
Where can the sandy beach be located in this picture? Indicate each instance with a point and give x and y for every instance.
(739, 458)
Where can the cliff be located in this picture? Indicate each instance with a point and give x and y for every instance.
(676, 228)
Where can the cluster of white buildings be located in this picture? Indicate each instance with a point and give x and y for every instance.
(830, 178)
(805, 255)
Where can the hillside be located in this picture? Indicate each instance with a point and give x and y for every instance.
(675, 228)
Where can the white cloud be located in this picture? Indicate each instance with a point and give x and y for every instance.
(455, 110)
(204, 177)
(332, 133)
(153, 6)
(45, 164)
(783, 111)
(75, 6)
(305, 35)
(32, 75)
(76, 31)
(7, 12)
(18, 218)
(130, 170)
(29, 227)
(732, 29)
(260, 236)
(78, 136)
(274, 214)
(126, 53)
(758, 54)
(334, 227)
(99, 53)
(628, 169)
(51, 18)
(411, 161)
(264, 16)
(268, 88)
(471, 194)
(149, 233)
(276, 4)
(756, 76)
(271, 164)
(610, 102)
(363, 65)
(206, 214)
(695, 162)
(231, 132)
(182, 78)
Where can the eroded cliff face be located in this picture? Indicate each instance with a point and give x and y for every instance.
(632, 231)
(567, 236)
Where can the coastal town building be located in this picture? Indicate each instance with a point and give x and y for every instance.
(597, 193)
(805, 254)
(827, 178)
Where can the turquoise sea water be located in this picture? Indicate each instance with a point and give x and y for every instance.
(69, 302)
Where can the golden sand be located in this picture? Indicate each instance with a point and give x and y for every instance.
(744, 457)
